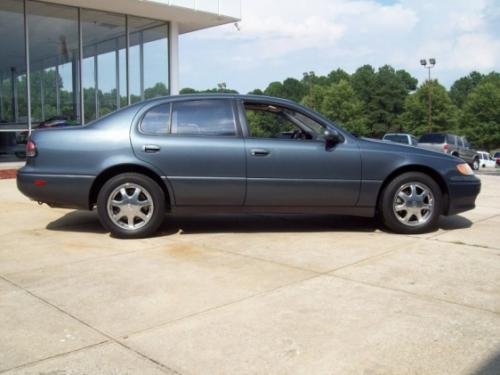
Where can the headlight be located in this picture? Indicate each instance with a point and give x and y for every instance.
(465, 169)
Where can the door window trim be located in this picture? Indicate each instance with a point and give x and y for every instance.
(237, 124)
(246, 130)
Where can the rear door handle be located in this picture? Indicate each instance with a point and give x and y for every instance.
(150, 149)
(259, 152)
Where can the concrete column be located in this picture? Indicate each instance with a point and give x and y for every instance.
(173, 60)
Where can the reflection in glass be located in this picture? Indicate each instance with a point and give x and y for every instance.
(13, 105)
(13, 109)
(54, 60)
(104, 63)
(148, 56)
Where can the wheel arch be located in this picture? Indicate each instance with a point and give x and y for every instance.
(435, 175)
(115, 170)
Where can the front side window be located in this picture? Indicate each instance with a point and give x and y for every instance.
(157, 120)
(204, 117)
(268, 121)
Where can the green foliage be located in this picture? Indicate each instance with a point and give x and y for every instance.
(376, 101)
(445, 114)
(222, 89)
(462, 88)
(481, 113)
(339, 103)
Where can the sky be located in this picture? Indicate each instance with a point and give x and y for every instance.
(284, 38)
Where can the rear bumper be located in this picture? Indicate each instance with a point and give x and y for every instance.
(462, 195)
(69, 191)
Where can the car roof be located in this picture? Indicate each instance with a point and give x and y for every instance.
(207, 96)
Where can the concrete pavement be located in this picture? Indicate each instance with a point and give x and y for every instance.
(248, 294)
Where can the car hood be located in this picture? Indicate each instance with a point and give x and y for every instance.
(398, 147)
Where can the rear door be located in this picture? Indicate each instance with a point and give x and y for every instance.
(198, 147)
(288, 163)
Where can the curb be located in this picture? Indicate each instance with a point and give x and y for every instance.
(8, 174)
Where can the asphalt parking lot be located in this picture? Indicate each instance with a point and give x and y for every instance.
(248, 295)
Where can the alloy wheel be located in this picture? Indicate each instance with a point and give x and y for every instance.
(413, 204)
(130, 206)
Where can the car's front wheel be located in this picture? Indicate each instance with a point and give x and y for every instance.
(411, 203)
(131, 205)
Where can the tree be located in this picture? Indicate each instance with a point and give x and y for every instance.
(481, 114)
(445, 114)
(387, 99)
(363, 82)
(339, 103)
(383, 93)
(187, 91)
(462, 87)
(338, 75)
(291, 89)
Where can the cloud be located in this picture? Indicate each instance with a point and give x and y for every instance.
(291, 37)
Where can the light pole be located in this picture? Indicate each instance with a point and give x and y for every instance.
(429, 65)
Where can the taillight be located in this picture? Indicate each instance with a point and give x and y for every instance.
(30, 149)
(446, 147)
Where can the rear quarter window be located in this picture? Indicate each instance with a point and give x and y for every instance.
(156, 120)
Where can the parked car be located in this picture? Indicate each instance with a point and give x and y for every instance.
(406, 139)
(451, 144)
(486, 160)
(231, 153)
(497, 157)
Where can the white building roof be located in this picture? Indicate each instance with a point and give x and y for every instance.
(191, 15)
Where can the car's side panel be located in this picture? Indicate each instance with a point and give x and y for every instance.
(202, 170)
(302, 173)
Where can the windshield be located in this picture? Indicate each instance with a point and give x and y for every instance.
(432, 138)
(398, 138)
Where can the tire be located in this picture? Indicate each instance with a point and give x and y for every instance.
(475, 164)
(139, 200)
(400, 194)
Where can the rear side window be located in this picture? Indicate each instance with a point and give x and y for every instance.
(432, 138)
(156, 120)
(204, 117)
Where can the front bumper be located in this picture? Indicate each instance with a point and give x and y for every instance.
(463, 194)
(69, 191)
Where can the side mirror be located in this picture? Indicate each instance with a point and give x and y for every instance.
(332, 138)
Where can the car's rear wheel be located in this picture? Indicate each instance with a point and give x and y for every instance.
(131, 205)
(411, 203)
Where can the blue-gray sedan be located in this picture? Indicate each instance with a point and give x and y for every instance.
(231, 153)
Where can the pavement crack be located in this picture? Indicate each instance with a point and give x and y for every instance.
(109, 338)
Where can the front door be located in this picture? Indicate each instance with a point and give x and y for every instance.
(199, 149)
(288, 163)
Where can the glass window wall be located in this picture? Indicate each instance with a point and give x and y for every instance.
(54, 61)
(104, 63)
(13, 99)
(65, 86)
(148, 70)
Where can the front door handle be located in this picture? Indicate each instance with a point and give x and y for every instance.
(259, 152)
(150, 149)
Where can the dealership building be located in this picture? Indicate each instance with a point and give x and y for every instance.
(78, 60)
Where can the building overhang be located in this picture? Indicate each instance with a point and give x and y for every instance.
(188, 18)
